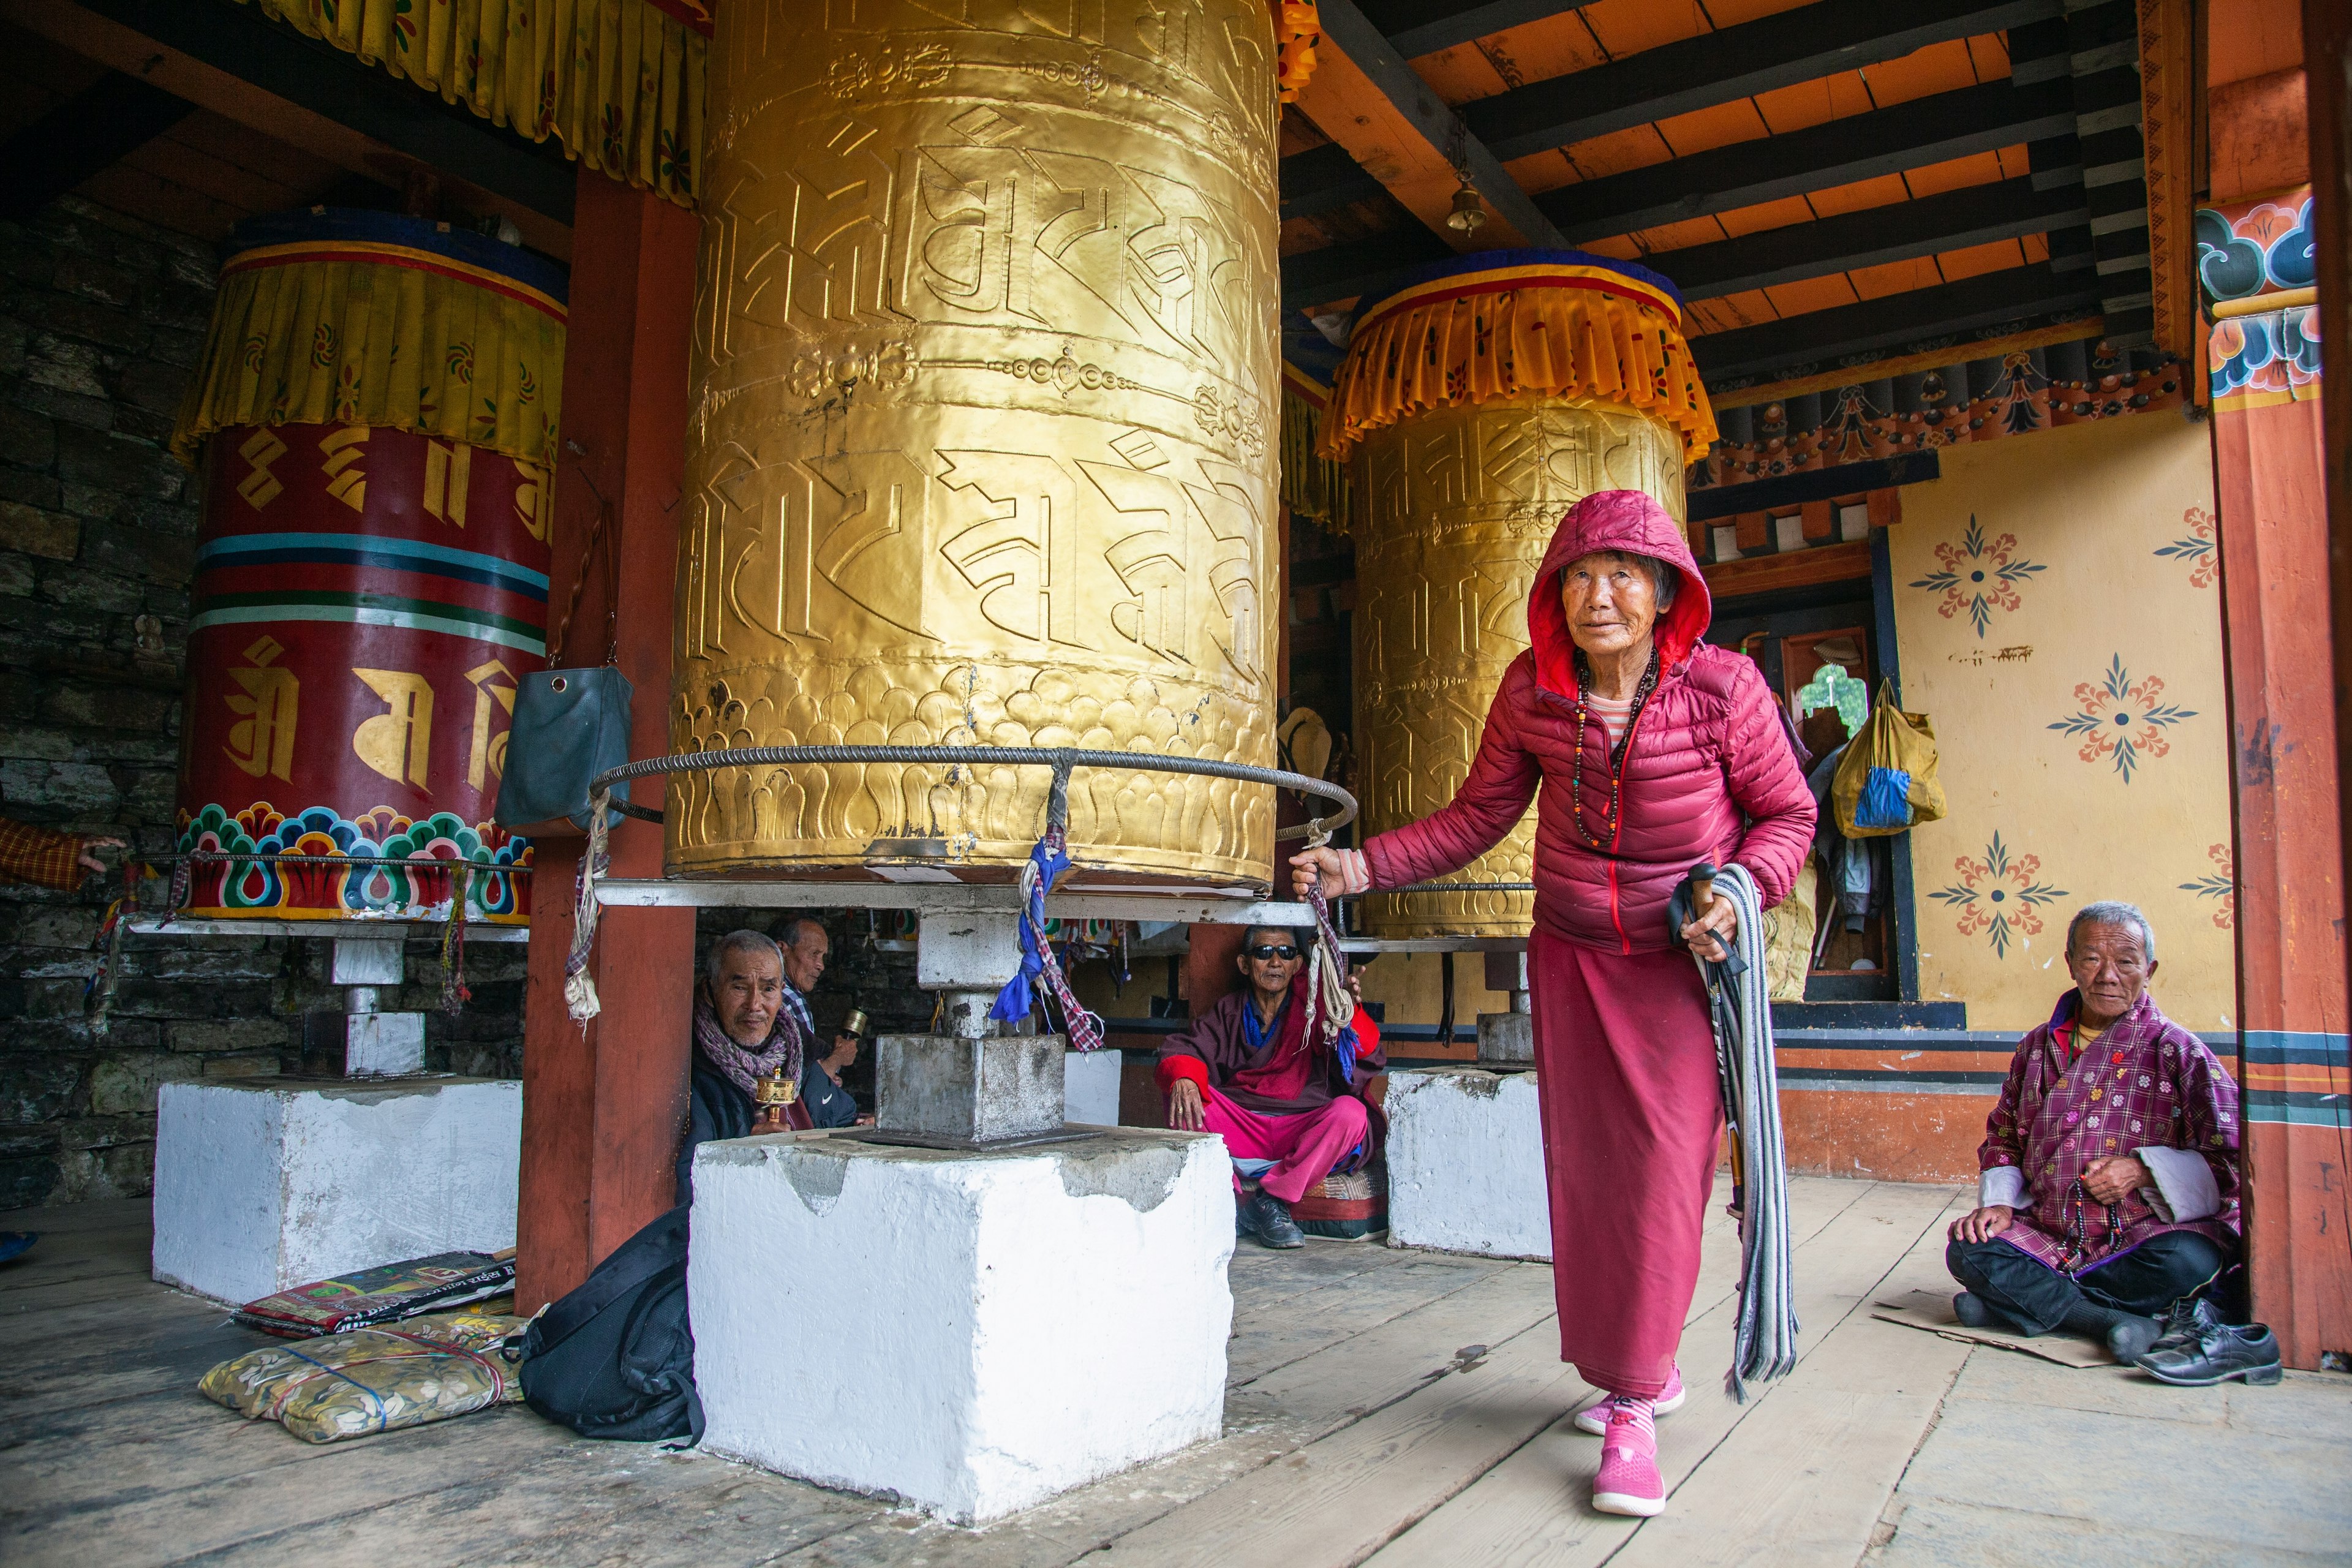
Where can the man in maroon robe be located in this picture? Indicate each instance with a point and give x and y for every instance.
(2109, 1191)
(1291, 1108)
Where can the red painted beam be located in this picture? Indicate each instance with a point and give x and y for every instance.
(604, 1105)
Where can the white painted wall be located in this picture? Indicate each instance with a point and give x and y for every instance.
(1466, 1163)
(261, 1186)
(972, 1332)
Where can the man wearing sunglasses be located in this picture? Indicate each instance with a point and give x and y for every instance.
(1290, 1109)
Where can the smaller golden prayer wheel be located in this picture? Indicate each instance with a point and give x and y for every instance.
(772, 1094)
(855, 1025)
(1481, 397)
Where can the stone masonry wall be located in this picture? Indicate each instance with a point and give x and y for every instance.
(101, 321)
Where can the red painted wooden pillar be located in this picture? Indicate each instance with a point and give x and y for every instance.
(2290, 909)
(602, 1105)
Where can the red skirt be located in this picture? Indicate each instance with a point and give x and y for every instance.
(1632, 1117)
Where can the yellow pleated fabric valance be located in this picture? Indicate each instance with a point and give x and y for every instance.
(360, 318)
(619, 83)
(1312, 484)
(1504, 324)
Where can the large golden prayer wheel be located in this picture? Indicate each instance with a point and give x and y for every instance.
(983, 391)
(1483, 398)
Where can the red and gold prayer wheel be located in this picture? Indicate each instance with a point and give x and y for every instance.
(982, 449)
(1480, 399)
(375, 416)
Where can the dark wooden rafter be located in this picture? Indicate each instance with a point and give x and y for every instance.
(316, 76)
(1346, 28)
(1724, 67)
(1930, 130)
(114, 117)
(1902, 231)
(1322, 179)
(1915, 320)
(1416, 28)
(1345, 271)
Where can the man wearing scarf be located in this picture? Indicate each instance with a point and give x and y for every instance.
(1290, 1107)
(743, 1031)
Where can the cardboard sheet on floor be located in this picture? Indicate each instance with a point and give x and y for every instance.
(1926, 1309)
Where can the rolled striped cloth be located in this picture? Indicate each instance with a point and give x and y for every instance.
(1764, 1338)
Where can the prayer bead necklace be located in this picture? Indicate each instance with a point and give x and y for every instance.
(1617, 752)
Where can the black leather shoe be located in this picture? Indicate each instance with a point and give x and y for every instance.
(1268, 1218)
(2183, 1322)
(2218, 1352)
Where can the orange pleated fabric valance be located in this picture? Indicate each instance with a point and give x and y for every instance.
(1518, 323)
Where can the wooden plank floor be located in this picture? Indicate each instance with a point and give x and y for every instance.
(1384, 1406)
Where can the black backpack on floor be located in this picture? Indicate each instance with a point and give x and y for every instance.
(615, 1358)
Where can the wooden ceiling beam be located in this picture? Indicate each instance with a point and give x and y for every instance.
(1725, 66)
(1930, 130)
(88, 131)
(1818, 339)
(1399, 130)
(238, 42)
(1417, 27)
(1353, 268)
(1321, 179)
(1902, 231)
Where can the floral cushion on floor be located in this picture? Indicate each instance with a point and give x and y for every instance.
(373, 1380)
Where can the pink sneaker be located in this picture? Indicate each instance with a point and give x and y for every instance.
(1629, 1481)
(1594, 1419)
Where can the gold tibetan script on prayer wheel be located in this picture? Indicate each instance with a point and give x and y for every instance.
(983, 389)
(1456, 499)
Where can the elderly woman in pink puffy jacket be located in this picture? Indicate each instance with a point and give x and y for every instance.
(1645, 752)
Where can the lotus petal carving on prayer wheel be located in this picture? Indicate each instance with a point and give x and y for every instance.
(981, 446)
(1483, 399)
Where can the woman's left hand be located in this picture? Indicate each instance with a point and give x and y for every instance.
(1714, 933)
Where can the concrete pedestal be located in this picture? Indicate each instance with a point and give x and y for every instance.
(264, 1184)
(1466, 1165)
(1506, 1039)
(971, 1090)
(1090, 1081)
(972, 1332)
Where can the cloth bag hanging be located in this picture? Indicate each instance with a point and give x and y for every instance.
(569, 725)
(1887, 782)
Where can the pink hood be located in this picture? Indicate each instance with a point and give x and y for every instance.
(1632, 521)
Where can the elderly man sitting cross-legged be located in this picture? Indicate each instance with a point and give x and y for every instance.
(1288, 1106)
(2109, 1193)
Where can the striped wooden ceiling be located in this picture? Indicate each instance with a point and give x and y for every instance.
(1832, 182)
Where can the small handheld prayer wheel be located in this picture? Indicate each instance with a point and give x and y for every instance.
(772, 1094)
(374, 417)
(1481, 398)
(982, 442)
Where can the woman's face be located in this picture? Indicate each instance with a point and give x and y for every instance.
(1611, 602)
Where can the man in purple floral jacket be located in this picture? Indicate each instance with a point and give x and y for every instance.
(2109, 1190)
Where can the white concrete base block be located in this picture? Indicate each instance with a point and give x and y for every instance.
(971, 1332)
(384, 1045)
(1466, 1163)
(1090, 1087)
(263, 1184)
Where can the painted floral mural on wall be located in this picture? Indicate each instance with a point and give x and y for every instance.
(2219, 884)
(1978, 575)
(1998, 896)
(2198, 547)
(2121, 718)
